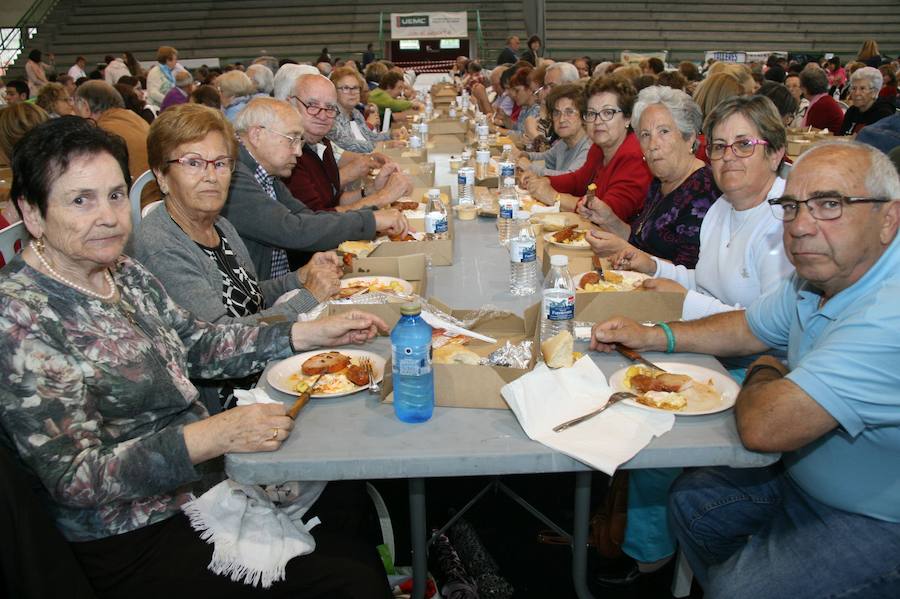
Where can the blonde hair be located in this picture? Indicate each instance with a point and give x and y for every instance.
(715, 89)
(184, 124)
(869, 49)
(164, 53)
(49, 95)
(341, 72)
(16, 121)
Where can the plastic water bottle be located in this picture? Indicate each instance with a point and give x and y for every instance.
(423, 133)
(483, 132)
(508, 206)
(465, 181)
(523, 273)
(435, 216)
(506, 156)
(411, 357)
(506, 170)
(558, 302)
(482, 163)
(415, 145)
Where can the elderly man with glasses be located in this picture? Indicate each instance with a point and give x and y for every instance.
(317, 180)
(831, 506)
(270, 220)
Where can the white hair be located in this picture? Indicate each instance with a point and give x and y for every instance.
(260, 112)
(262, 78)
(882, 179)
(568, 72)
(685, 112)
(872, 76)
(285, 77)
(601, 69)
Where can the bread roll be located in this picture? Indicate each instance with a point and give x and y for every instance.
(558, 350)
(454, 353)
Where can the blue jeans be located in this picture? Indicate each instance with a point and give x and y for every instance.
(753, 533)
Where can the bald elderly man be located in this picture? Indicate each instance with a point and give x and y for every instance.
(317, 181)
(825, 520)
(271, 221)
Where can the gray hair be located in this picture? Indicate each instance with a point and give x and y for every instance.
(260, 112)
(100, 96)
(872, 76)
(235, 84)
(285, 77)
(267, 61)
(568, 72)
(882, 179)
(685, 112)
(262, 77)
(814, 79)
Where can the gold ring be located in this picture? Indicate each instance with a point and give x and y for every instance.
(274, 433)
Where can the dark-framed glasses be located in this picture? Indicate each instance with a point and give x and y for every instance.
(196, 166)
(605, 115)
(295, 141)
(314, 110)
(742, 148)
(823, 207)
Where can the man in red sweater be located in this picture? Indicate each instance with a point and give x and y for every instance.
(823, 112)
(316, 180)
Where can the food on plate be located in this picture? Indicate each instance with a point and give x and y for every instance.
(444, 198)
(325, 363)
(666, 390)
(360, 249)
(589, 278)
(331, 372)
(612, 281)
(403, 237)
(359, 286)
(454, 353)
(440, 338)
(569, 235)
(558, 351)
(553, 221)
(407, 205)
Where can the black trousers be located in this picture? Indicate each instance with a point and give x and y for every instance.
(35, 560)
(169, 557)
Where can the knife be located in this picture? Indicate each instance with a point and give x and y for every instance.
(636, 357)
(303, 399)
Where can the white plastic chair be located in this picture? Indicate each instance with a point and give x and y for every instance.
(9, 237)
(386, 121)
(135, 196)
(150, 208)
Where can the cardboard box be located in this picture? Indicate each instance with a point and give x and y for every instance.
(467, 386)
(642, 306)
(447, 127)
(410, 268)
(440, 251)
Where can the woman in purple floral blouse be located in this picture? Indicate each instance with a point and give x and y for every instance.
(95, 391)
(668, 226)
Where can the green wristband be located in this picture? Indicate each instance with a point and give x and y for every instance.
(670, 337)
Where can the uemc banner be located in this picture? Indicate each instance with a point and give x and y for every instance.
(417, 25)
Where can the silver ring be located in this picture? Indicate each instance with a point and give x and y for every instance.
(274, 433)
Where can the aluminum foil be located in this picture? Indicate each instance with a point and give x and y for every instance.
(511, 355)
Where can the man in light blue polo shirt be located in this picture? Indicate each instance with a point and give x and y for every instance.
(825, 521)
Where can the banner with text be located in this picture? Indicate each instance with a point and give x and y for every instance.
(425, 25)
(742, 56)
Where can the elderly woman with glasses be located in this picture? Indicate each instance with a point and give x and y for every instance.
(95, 367)
(867, 107)
(682, 191)
(350, 131)
(196, 253)
(614, 164)
(741, 258)
(54, 98)
(565, 103)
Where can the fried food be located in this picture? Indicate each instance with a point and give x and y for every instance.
(565, 234)
(406, 205)
(357, 375)
(404, 237)
(325, 363)
(589, 278)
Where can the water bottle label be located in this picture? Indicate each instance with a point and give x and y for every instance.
(435, 222)
(466, 177)
(507, 169)
(408, 364)
(508, 208)
(559, 304)
(522, 251)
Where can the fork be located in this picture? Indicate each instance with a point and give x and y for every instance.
(613, 399)
(370, 369)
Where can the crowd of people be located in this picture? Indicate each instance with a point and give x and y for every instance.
(124, 343)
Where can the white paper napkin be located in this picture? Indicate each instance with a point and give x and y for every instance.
(545, 398)
(248, 397)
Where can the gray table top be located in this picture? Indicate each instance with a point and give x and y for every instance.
(357, 437)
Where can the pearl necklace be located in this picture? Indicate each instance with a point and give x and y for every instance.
(109, 279)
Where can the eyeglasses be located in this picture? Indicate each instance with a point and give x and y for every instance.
(196, 166)
(538, 90)
(568, 113)
(347, 89)
(605, 115)
(313, 110)
(294, 141)
(824, 207)
(742, 148)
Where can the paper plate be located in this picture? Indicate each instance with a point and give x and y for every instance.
(284, 375)
(629, 278)
(723, 383)
(548, 237)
